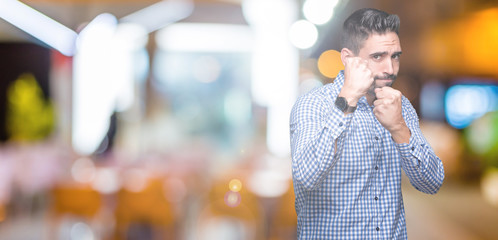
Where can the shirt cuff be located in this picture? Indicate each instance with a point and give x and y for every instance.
(337, 121)
(410, 152)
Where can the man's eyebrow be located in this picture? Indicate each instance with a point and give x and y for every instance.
(384, 53)
(378, 53)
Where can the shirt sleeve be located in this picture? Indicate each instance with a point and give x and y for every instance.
(420, 163)
(315, 126)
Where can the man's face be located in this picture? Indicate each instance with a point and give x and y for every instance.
(382, 53)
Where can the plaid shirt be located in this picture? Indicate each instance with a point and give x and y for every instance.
(347, 169)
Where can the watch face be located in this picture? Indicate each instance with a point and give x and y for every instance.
(341, 103)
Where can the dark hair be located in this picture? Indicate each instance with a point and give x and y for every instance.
(365, 22)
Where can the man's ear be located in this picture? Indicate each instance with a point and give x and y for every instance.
(346, 53)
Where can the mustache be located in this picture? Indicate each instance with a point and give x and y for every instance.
(386, 76)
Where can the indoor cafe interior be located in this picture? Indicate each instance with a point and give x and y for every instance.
(169, 119)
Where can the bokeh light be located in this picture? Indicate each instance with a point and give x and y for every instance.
(329, 63)
(81, 231)
(308, 84)
(303, 34)
(232, 199)
(489, 186)
(83, 170)
(319, 11)
(482, 137)
(465, 103)
(106, 180)
(135, 179)
(235, 185)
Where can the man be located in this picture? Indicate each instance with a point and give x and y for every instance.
(351, 138)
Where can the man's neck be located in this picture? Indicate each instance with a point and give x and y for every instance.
(370, 98)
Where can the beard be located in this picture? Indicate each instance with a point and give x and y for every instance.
(375, 85)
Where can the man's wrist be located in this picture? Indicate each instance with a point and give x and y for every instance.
(342, 104)
(401, 134)
(352, 99)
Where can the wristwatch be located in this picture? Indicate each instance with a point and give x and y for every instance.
(342, 104)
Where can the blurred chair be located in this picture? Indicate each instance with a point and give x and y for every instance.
(144, 214)
(3, 212)
(73, 204)
(228, 214)
(283, 225)
(76, 200)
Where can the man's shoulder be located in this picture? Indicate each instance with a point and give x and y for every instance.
(328, 89)
(321, 93)
(316, 100)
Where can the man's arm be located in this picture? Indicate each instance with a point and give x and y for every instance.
(317, 124)
(420, 163)
(424, 169)
(315, 127)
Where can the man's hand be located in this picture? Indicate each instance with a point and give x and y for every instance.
(387, 109)
(357, 79)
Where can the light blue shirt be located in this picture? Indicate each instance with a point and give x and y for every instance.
(352, 189)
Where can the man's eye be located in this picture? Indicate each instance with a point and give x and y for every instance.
(396, 57)
(376, 57)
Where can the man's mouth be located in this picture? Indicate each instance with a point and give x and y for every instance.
(384, 81)
(386, 77)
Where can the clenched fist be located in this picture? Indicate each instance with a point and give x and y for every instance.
(357, 79)
(387, 109)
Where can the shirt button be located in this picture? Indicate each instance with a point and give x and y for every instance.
(340, 124)
(376, 168)
(376, 198)
(377, 228)
(376, 138)
(413, 148)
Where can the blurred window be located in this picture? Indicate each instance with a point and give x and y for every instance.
(206, 82)
(466, 102)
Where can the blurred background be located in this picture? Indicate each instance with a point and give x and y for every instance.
(147, 119)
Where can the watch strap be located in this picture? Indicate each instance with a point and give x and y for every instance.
(343, 105)
(350, 109)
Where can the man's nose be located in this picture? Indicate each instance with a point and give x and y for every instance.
(389, 66)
